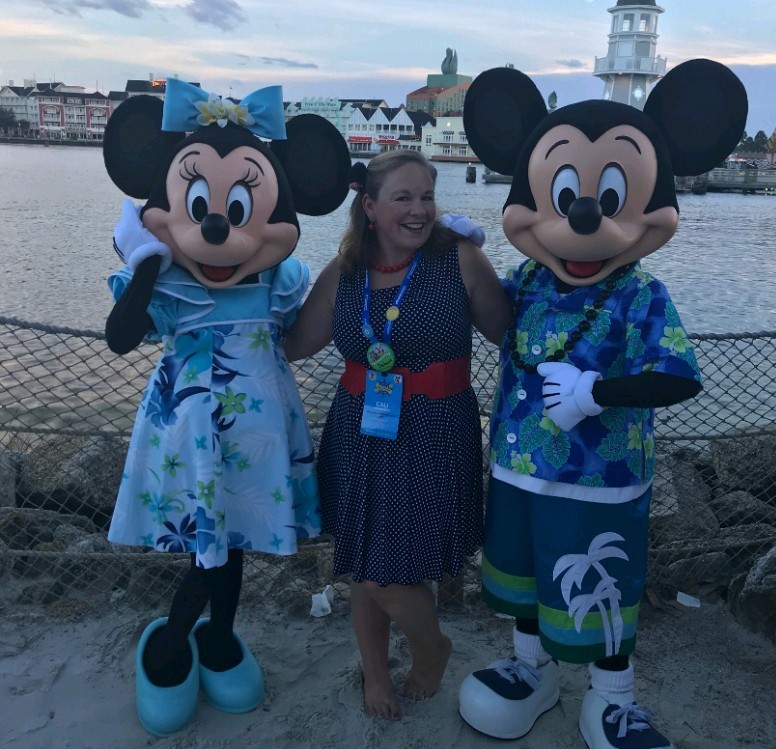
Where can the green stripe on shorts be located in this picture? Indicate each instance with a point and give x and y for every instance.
(592, 620)
(512, 582)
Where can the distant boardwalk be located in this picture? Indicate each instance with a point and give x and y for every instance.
(741, 180)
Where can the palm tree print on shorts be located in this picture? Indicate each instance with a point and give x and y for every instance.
(576, 566)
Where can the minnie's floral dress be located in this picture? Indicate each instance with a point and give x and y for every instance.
(221, 455)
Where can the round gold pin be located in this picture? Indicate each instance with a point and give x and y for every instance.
(392, 313)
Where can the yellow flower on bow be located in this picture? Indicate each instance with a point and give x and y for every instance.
(215, 109)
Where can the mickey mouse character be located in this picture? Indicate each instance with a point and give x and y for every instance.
(594, 346)
(220, 460)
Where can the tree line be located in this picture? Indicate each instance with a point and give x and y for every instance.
(8, 121)
(760, 143)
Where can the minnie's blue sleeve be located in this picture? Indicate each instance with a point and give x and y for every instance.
(162, 309)
(289, 284)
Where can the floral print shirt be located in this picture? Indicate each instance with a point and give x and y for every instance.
(637, 330)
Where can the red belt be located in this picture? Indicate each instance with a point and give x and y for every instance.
(438, 380)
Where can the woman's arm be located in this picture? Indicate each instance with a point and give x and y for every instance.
(311, 330)
(488, 301)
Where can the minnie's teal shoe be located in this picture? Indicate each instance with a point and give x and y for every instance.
(165, 710)
(238, 690)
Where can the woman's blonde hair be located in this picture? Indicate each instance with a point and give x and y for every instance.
(358, 240)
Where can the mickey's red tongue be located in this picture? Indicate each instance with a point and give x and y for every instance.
(217, 272)
(580, 269)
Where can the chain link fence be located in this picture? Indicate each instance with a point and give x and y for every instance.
(67, 406)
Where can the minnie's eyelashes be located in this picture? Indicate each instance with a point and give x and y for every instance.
(189, 173)
(251, 178)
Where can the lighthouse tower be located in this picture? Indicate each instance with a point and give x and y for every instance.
(631, 66)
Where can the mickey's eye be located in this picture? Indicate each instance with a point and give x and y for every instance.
(565, 189)
(239, 205)
(612, 190)
(198, 199)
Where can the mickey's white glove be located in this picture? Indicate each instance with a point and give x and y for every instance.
(134, 243)
(568, 393)
(464, 226)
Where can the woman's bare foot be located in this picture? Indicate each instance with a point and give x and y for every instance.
(379, 698)
(426, 673)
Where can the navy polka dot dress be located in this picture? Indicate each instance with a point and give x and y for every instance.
(408, 509)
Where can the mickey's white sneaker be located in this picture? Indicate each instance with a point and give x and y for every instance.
(610, 718)
(505, 699)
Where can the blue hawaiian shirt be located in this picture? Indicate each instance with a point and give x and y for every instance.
(637, 330)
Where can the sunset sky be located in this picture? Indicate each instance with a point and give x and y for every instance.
(367, 48)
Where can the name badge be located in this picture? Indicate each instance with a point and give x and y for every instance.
(382, 404)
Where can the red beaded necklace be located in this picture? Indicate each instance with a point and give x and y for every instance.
(391, 268)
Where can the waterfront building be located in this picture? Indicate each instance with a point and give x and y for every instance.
(56, 111)
(152, 87)
(371, 131)
(368, 125)
(336, 111)
(71, 113)
(443, 93)
(444, 139)
(23, 103)
(631, 65)
(156, 87)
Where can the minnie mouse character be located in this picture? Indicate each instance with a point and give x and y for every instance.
(594, 346)
(220, 460)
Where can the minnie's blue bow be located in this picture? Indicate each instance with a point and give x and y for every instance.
(188, 108)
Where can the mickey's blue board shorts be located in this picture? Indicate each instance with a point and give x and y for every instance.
(577, 566)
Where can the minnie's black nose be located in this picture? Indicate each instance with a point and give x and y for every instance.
(215, 228)
(585, 215)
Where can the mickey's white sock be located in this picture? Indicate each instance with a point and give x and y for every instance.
(616, 687)
(529, 650)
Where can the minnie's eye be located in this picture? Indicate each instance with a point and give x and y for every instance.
(565, 189)
(198, 199)
(612, 190)
(239, 205)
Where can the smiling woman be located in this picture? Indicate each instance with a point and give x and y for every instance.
(400, 466)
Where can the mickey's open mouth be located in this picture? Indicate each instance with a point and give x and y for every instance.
(217, 272)
(582, 269)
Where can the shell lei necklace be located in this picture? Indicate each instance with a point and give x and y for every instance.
(575, 335)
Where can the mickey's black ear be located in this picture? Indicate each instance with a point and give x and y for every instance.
(501, 109)
(134, 145)
(700, 108)
(316, 161)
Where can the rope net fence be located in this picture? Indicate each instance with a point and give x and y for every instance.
(67, 406)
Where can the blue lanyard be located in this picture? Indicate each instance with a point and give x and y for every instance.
(366, 328)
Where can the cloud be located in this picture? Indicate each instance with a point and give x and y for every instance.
(128, 8)
(223, 14)
(574, 64)
(287, 63)
(281, 61)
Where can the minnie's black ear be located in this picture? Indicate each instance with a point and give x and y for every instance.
(502, 108)
(316, 161)
(134, 145)
(700, 108)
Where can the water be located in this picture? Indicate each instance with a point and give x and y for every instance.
(58, 209)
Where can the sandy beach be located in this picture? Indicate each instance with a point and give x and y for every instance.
(67, 681)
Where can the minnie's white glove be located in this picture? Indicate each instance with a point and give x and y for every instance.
(134, 243)
(464, 226)
(568, 393)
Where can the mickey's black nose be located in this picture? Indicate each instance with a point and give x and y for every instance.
(585, 215)
(215, 228)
